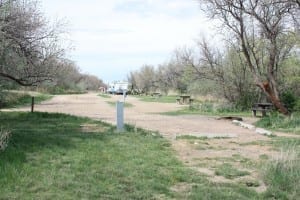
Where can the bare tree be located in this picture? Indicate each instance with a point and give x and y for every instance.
(29, 47)
(261, 28)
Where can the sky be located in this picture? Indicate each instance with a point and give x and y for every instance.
(114, 37)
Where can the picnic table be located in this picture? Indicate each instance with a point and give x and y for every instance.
(263, 107)
(184, 99)
(156, 94)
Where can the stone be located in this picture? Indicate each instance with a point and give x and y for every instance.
(263, 131)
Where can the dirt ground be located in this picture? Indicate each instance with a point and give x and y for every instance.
(232, 144)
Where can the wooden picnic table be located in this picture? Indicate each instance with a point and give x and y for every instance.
(184, 99)
(263, 107)
(155, 94)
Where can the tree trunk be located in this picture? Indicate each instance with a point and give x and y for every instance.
(271, 94)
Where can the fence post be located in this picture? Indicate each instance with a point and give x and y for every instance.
(32, 104)
(120, 116)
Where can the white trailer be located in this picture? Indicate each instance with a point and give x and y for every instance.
(118, 87)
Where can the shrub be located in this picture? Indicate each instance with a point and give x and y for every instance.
(4, 138)
(289, 100)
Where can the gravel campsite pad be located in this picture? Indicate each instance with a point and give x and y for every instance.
(201, 142)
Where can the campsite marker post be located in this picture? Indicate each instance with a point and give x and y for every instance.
(120, 116)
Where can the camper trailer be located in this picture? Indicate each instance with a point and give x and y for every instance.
(117, 87)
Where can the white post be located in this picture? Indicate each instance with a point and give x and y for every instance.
(120, 116)
(124, 95)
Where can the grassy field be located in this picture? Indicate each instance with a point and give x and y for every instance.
(281, 123)
(161, 99)
(188, 110)
(56, 156)
(12, 99)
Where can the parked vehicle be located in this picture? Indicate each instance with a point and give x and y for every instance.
(117, 87)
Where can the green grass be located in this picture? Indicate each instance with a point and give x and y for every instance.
(210, 109)
(282, 175)
(161, 99)
(50, 157)
(228, 171)
(12, 100)
(281, 123)
(188, 111)
(106, 96)
(126, 105)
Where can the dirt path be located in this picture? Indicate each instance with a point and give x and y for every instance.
(233, 145)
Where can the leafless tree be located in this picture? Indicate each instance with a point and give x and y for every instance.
(29, 47)
(261, 28)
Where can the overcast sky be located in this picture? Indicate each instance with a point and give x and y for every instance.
(113, 37)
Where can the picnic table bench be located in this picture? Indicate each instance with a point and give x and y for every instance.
(262, 107)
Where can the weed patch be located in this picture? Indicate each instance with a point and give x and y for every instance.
(281, 123)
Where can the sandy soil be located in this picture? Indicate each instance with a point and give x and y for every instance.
(193, 153)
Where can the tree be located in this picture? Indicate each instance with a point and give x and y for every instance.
(29, 48)
(261, 29)
(145, 79)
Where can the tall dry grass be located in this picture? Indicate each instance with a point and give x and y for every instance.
(282, 174)
(4, 138)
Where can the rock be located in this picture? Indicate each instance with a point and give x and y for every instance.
(244, 125)
(263, 131)
(236, 122)
(248, 126)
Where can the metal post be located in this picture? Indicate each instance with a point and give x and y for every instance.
(120, 116)
(124, 95)
(32, 104)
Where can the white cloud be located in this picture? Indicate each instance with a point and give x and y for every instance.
(120, 35)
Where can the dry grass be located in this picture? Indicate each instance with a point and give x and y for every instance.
(4, 138)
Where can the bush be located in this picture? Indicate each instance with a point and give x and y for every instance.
(4, 138)
(289, 100)
(297, 106)
(9, 100)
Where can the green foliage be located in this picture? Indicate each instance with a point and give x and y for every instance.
(289, 100)
(57, 90)
(279, 122)
(297, 106)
